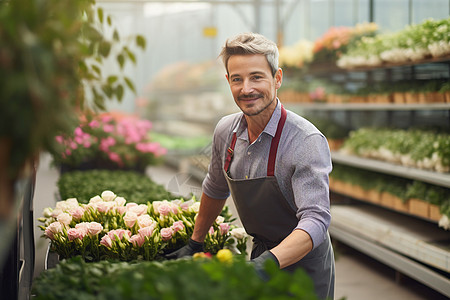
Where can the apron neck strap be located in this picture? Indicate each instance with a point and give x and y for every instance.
(273, 146)
(275, 142)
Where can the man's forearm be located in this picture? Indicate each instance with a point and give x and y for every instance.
(293, 248)
(210, 208)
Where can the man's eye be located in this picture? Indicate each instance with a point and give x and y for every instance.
(236, 79)
(256, 77)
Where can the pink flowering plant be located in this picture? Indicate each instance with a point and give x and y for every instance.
(108, 142)
(109, 227)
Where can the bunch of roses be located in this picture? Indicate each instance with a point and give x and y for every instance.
(123, 142)
(110, 228)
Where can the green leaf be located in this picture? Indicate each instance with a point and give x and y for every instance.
(100, 14)
(116, 35)
(130, 55)
(96, 69)
(108, 19)
(108, 90)
(140, 41)
(119, 92)
(130, 84)
(111, 79)
(121, 60)
(104, 48)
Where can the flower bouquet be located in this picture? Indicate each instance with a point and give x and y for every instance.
(110, 228)
(106, 141)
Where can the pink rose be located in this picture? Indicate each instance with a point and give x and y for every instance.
(137, 240)
(177, 226)
(83, 227)
(164, 209)
(106, 241)
(64, 218)
(52, 229)
(121, 210)
(224, 228)
(94, 228)
(104, 206)
(166, 234)
(74, 233)
(77, 213)
(211, 230)
(147, 231)
(139, 209)
(175, 208)
(130, 218)
(119, 234)
(145, 220)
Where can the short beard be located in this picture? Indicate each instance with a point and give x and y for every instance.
(260, 111)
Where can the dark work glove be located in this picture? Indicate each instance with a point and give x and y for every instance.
(190, 249)
(260, 261)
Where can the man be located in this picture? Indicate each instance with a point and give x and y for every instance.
(275, 164)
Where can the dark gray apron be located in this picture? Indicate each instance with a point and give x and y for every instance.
(267, 216)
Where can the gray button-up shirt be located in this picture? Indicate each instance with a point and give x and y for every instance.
(302, 165)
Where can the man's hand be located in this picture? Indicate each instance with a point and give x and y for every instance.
(261, 260)
(190, 249)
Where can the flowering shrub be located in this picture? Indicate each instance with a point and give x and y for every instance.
(110, 228)
(296, 56)
(109, 142)
(334, 42)
(220, 277)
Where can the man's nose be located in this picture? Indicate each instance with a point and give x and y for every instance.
(247, 86)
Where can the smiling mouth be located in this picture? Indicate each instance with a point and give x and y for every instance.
(249, 97)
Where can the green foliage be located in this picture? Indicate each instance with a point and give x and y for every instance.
(329, 128)
(403, 188)
(50, 52)
(181, 279)
(172, 142)
(133, 186)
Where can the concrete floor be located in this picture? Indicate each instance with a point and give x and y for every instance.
(358, 277)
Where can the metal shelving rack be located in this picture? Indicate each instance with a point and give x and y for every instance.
(372, 240)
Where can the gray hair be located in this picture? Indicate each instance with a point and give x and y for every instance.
(251, 43)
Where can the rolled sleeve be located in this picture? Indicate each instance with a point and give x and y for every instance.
(311, 188)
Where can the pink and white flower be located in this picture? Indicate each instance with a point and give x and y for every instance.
(166, 234)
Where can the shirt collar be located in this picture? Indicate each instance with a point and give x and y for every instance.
(270, 129)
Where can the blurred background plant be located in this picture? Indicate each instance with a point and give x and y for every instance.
(51, 58)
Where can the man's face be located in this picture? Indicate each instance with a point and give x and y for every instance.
(252, 84)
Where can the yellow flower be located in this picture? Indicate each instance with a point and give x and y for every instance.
(200, 255)
(224, 256)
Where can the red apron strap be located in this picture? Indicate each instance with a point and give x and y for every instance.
(230, 151)
(275, 141)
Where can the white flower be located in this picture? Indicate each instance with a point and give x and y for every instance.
(108, 195)
(444, 222)
(95, 199)
(238, 233)
(219, 220)
(47, 212)
(64, 218)
(195, 207)
(145, 221)
(139, 209)
(120, 201)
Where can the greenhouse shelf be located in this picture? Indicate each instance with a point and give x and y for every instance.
(419, 250)
(441, 179)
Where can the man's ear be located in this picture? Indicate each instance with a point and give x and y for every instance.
(278, 78)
